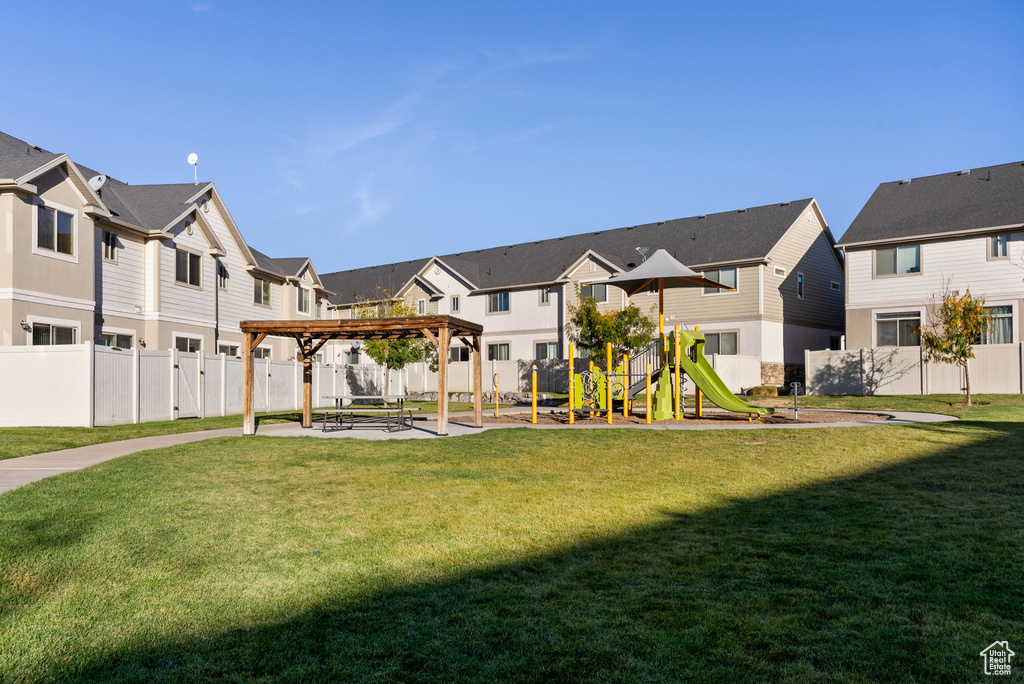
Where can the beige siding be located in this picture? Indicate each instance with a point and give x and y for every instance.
(120, 285)
(415, 294)
(583, 275)
(804, 249)
(690, 306)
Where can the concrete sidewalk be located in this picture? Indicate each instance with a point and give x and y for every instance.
(15, 472)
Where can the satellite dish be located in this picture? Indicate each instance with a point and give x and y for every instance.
(643, 252)
(193, 158)
(96, 182)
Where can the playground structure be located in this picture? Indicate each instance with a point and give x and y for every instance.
(594, 391)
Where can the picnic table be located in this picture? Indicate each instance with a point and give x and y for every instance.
(397, 416)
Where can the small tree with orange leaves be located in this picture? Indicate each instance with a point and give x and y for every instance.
(963, 321)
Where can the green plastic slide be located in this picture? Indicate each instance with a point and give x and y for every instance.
(707, 380)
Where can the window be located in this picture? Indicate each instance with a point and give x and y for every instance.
(1000, 329)
(547, 350)
(421, 307)
(110, 246)
(352, 356)
(903, 260)
(457, 354)
(835, 343)
(222, 276)
(302, 300)
(720, 343)
(44, 333)
(455, 303)
(261, 353)
(187, 267)
(779, 271)
(725, 276)
(261, 292)
(997, 246)
(188, 344)
(229, 349)
(545, 295)
(115, 340)
(898, 329)
(598, 292)
(55, 230)
(319, 307)
(497, 302)
(593, 267)
(800, 285)
(836, 285)
(499, 352)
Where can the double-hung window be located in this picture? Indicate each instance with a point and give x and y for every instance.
(188, 267)
(897, 261)
(261, 291)
(725, 276)
(498, 302)
(55, 230)
(228, 349)
(720, 343)
(455, 303)
(302, 303)
(421, 307)
(110, 246)
(1000, 328)
(997, 246)
(545, 295)
(899, 329)
(261, 353)
(499, 352)
(222, 276)
(598, 292)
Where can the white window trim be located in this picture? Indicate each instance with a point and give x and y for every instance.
(498, 313)
(776, 269)
(121, 331)
(53, 253)
(270, 291)
(455, 304)
(193, 336)
(103, 247)
(548, 342)
(298, 293)
(720, 292)
(269, 350)
(421, 307)
(736, 331)
(988, 247)
(217, 268)
(540, 296)
(874, 262)
(1013, 321)
(62, 322)
(174, 268)
(921, 311)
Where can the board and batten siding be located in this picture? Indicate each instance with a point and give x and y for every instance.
(804, 248)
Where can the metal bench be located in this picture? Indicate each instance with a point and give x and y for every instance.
(397, 418)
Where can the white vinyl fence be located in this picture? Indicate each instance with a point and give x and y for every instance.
(737, 372)
(87, 385)
(996, 369)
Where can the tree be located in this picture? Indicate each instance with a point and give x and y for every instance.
(963, 321)
(629, 330)
(392, 354)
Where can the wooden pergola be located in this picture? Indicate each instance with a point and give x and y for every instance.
(312, 335)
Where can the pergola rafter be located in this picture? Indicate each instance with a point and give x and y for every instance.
(311, 336)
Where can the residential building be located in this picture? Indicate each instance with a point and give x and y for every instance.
(917, 238)
(780, 260)
(89, 257)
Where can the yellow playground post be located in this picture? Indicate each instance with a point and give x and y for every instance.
(591, 366)
(608, 379)
(648, 395)
(572, 382)
(625, 385)
(698, 403)
(533, 394)
(679, 384)
(497, 399)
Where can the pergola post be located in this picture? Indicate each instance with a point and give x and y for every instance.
(307, 383)
(478, 381)
(442, 381)
(248, 415)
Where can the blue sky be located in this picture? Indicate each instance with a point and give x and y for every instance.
(362, 133)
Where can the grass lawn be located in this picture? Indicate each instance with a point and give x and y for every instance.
(850, 555)
(20, 441)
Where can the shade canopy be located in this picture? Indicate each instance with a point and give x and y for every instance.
(661, 270)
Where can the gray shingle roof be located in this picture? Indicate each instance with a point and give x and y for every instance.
(727, 237)
(365, 283)
(285, 266)
(989, 197)
(149, 206)
(16, 166)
